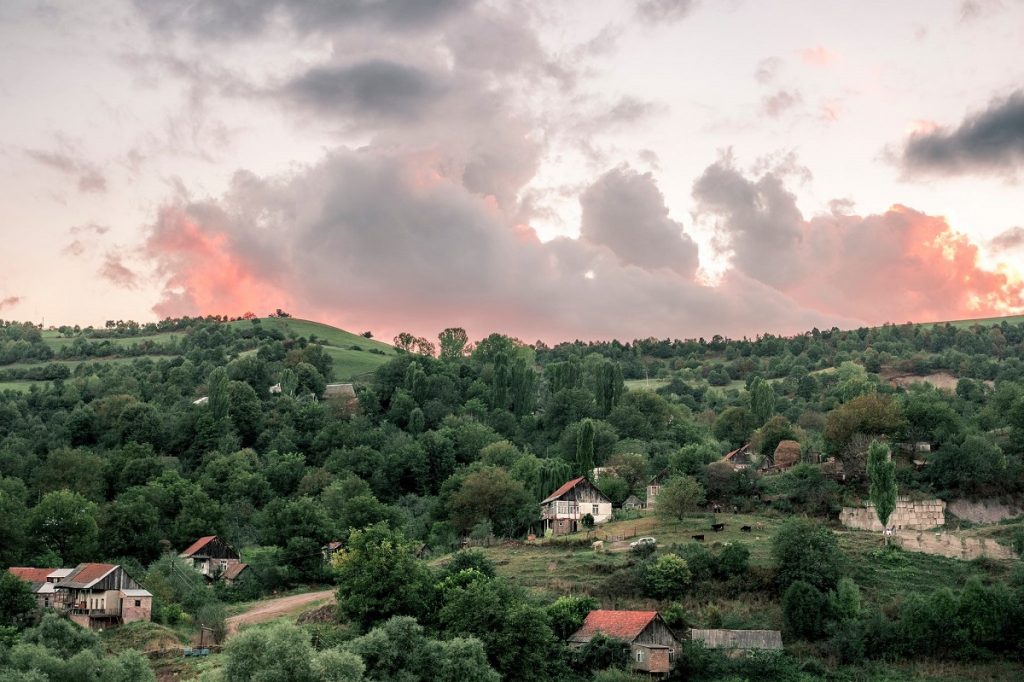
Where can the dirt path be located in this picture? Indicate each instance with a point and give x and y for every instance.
(275, 608)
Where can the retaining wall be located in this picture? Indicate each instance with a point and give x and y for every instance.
(909, 514)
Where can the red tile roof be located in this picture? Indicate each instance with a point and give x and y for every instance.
(566, 487)
(85, 575)
(31, 575)
(623, 625)
(736, 451)
(233, 570)
(197, 545)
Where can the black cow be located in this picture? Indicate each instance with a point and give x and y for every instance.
(745, 529)
(698, 538)
(717, 527)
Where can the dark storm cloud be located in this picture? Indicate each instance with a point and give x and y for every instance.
(229, 19)
(1008, 240)
(987, 141)
(625, 212)
(664, 11)
(375, 88)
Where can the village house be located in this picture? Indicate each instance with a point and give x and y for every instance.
(654, 487)
(740, 458)
(738, 641)
(652, 644)
(100, 595)
(214, 558)
(564, 509)
(42, 582)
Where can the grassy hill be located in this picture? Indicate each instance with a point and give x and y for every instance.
(354, 356)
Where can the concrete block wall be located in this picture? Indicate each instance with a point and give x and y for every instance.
(909, 514)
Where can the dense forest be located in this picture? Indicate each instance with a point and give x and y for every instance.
(452, 443)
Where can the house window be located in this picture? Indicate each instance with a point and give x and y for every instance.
(639, 656)
(595, 512)
(138, 602)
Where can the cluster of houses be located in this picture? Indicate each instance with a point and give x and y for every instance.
(653, 646)
(98, 596)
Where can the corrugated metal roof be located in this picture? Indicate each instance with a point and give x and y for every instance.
(624, 625)
(60, 573)
(136, 593)
(738, 639)
(566, 487)
(197, 545)
(86, 575)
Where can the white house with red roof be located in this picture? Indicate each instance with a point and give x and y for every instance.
(563, 510)
(652, 644)
(214, 558)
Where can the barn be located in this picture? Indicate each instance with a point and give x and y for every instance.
(652, 644)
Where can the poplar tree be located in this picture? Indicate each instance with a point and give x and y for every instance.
(585, 448)
(762, 400)
(882, 474)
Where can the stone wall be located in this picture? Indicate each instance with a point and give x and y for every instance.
(909, 514)
(985, 511)
(952, 545)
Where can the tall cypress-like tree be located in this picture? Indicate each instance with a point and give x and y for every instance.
(217, 386)
(500, 382)
(762, 400)
(882, 474)
(585, 448)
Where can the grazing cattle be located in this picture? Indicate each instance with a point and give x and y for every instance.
(759, 525)
(717, 527)
(746, 529)
(698, 538)
(598, 545)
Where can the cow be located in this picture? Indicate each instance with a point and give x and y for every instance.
(698, 538)
(717, 527)
(746, 529)
(759, 525)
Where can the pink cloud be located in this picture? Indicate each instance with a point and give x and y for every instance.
(818, 56)
(9, 302)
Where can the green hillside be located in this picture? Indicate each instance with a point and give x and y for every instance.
(353, 356)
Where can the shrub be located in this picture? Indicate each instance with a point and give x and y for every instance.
(804, 610)
(807, 551)
(733, 561)
(668, 576)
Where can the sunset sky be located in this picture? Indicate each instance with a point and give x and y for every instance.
(550, 170)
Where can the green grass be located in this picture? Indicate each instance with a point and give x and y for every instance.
(19, 386)
(983, 321)
(646, 384)
(326, 334)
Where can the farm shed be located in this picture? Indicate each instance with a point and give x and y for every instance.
(213, 557)
(563, 509)
(740, 458)
(633, 502)
(652, 644)
(738, 640)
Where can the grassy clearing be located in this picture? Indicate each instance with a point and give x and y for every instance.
(646, 384)
(20, 386)
(983, 321)
(326, 334)
(349, 364)
(143, 636)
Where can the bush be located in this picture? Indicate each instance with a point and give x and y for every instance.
(807, 551)
(668, 576)
(733, 561)
(804, 611)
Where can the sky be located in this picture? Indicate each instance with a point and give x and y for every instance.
(552, 171)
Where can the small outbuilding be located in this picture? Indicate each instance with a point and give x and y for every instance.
(633, 502)
(739, 640)
(740, 458)
(654, 487)
(652, 644)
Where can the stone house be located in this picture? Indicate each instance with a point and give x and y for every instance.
(563, 510)
(214, 558)
(652, 644)
(100, 595)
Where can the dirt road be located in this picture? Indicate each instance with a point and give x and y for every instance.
(275, 608)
